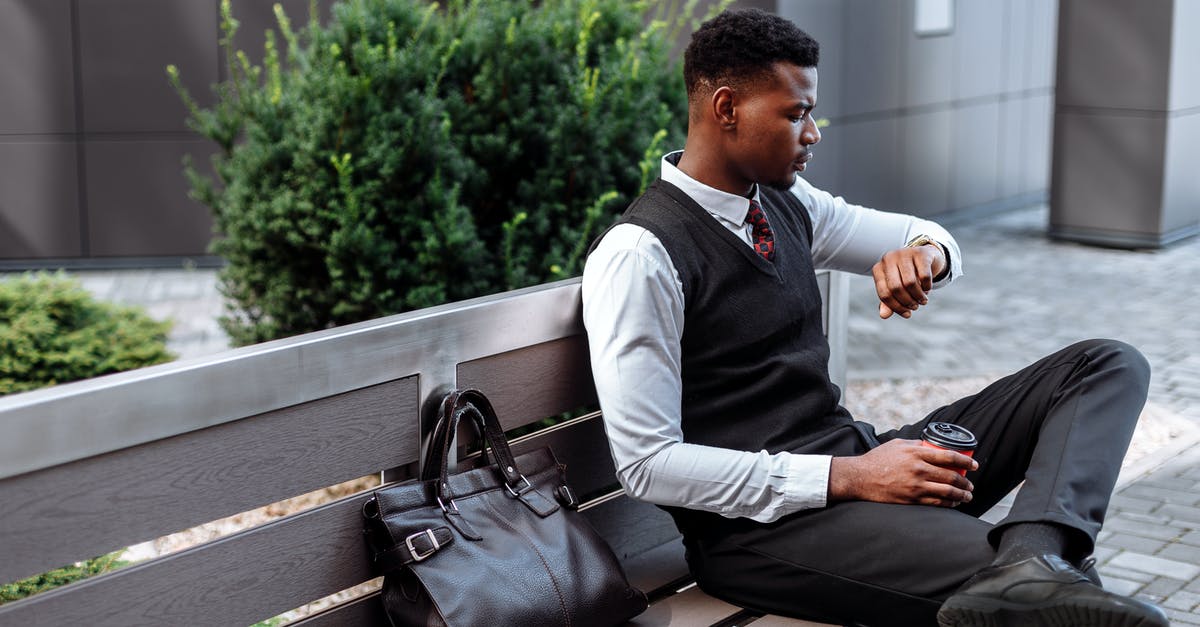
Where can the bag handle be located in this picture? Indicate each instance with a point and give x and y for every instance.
(474, 405)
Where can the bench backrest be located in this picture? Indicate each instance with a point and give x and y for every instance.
(91, 467)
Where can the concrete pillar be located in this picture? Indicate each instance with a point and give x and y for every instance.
(1126, 159)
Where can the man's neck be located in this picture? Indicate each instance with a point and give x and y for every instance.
(709, 169)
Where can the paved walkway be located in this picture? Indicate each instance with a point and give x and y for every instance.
(188, 298)
(1023, 297)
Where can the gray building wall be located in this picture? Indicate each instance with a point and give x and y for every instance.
(1127, 140)
(92, 135)
(952, 123)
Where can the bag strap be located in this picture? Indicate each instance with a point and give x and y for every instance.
(474, 405)
(414, 548)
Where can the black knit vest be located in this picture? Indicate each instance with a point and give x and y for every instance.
(755, 358)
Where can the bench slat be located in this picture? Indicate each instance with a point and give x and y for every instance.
(240, 579)
(96, 505)
(687, 609)
(780, 621)
(532, 383)
(658, 568)
(583, 447)
(365, 611)
(632, 527)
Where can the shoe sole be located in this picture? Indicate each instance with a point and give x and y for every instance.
(991, 614)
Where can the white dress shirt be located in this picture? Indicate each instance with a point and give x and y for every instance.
(633, 308)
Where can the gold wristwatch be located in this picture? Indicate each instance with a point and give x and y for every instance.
(923, 240)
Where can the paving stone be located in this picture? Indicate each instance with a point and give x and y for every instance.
(1182, 618)
(1162, 587)
(1110, 570)
(1155, 565)
(1126, 587)
(1104, 553)
(1181, 512)
(1125, 503)
(1163, 495)
(1139, 544)
(1167, 482)
(1183, 600)
(1158, 530)
(1181, 552)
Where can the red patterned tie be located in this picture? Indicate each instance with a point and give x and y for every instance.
(764, 241)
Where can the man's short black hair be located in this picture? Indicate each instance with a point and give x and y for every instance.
(742, 45)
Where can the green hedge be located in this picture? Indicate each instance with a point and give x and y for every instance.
(407, 154)
(53, 331)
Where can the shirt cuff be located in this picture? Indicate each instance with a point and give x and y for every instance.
(806, 484)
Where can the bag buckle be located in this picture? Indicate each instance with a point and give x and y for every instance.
(453, 506)
(416, 553)
(518, 493)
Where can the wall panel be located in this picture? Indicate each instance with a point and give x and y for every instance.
(39, 199)
(137, 199)
(125, 47)
(37, 89)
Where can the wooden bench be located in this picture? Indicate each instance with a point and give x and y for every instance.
(94, 466)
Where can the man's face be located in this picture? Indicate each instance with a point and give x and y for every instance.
(775, 127)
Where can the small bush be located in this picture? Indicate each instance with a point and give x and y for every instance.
(53, 331)
(407, 154)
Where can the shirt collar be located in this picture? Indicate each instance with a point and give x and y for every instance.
(730, 208)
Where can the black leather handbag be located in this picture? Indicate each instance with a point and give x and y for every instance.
(497, 545)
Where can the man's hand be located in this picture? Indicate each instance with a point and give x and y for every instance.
(902, 471)
(904, 278)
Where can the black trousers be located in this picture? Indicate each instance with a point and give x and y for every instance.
(1062, 426)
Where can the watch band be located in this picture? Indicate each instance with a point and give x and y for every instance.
(923, 240)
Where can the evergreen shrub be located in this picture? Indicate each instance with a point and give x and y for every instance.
(407, 154)
(53, 331)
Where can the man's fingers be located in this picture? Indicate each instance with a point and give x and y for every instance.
(903, 280)
(948, 459)
(925, 276)
(922, 279)
(897, 285)
(950, 498)
(946, 494)
(887, 283)
(886, 312)
(910, 282)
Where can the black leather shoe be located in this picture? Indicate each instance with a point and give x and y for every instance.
(1042, 591)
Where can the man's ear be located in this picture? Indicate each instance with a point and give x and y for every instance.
(723, 108)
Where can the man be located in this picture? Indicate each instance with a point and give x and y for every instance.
(703, 316)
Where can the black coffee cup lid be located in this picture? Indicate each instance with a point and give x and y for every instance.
(949, 436)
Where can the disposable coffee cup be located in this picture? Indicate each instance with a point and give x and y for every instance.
(951, 437)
